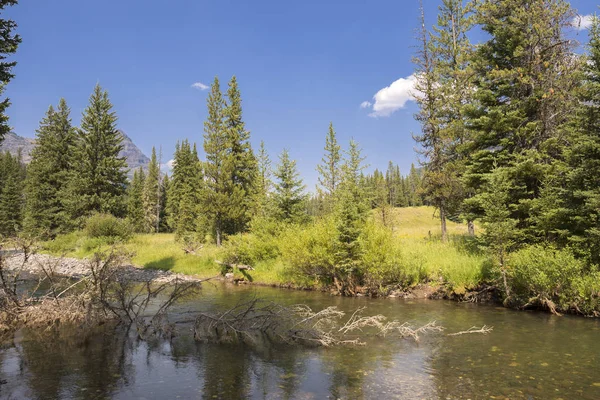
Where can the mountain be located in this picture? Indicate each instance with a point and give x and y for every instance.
(133, 155)
(13, 143)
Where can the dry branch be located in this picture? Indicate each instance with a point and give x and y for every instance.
(484, 329)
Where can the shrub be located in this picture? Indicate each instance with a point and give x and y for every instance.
(554, 279)
(107, 226)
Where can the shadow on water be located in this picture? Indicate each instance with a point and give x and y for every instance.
(527, 356)
(164, 264)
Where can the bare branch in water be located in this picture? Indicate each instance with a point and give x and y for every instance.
(257, 320)
(484, 329)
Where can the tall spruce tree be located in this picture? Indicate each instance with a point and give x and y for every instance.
(330, 167)
(49, 173)
(184, 191)
(11, 195)
(441, 62)
(218, 168)
(265, 182)
(100, 173)
(9, 42)
(135, 201)
(244, 166)
(351, 213)
(152, 195)
(289, 197)
(522, 96)
(569, 205)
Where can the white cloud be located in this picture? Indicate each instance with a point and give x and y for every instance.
(582, 22)
(392, 98)
(200, 86)
(168, 166)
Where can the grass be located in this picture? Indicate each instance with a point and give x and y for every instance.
(416, 230)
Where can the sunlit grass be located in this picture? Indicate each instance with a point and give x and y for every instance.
(458, 263)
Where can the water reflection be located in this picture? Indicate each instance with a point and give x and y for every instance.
(526, 356)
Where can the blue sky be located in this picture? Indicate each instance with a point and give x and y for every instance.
(299, 64)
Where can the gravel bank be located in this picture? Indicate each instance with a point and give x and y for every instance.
(76, 268)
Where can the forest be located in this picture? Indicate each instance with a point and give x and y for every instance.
(509, 147)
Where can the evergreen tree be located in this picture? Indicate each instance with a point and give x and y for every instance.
(522, 79)
(163, 213)
(441, 62)
(218, 170)
(9, 42)
(49, 173)
(244, 166)
(100, 175)
(289, 198)
(265, 183)
(329, 169)
(135, 201)
(413, 183)
(185, 189)
(152, 195)
(569, 205)
(351, 213)
(11, 195)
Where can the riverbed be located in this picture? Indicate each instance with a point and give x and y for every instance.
(527, 355)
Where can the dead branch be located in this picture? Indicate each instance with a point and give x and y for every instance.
(484, 329)
(257, 320)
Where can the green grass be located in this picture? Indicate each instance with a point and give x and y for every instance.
(416, 232)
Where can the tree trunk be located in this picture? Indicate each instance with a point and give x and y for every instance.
(471, 227)
(218, 232)
(443, 221)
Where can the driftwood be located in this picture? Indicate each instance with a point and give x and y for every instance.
(484, 329)
(241, 267)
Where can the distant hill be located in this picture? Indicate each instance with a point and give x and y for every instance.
(134, 156)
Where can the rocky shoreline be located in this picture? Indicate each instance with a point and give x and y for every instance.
(77, 268)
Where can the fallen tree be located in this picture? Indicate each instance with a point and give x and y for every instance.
(257, 320)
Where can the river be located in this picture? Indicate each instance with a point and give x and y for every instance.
(528, 355)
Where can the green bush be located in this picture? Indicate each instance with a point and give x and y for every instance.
(383, 260)
(551, 278)
(309, 250)
(109, 227)
(251, 248)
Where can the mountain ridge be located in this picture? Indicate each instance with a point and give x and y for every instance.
(133, 155)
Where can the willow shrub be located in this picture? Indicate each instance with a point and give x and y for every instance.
(548, 277)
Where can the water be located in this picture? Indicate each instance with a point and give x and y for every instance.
(526, 356)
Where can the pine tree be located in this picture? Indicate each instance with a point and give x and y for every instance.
(289, 198)
(49, 173)
(244, 170)
(164, 198)
(265, 183)
(351, 213)
(11, 195)
(521, 98)
(135, 201)
(185, 190)
(441, 62)
(568, 211)
(151, 195)
(413, 183)
(329, 169)
(218, 168)
(9, 42)
(100, 178)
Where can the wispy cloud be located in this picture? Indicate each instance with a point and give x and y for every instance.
(199, 86)
(583, 22)
(392, 98)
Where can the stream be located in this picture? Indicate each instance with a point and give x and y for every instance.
(528, 355)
